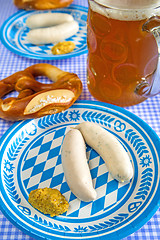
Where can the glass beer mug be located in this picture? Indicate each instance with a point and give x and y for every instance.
(123, 58)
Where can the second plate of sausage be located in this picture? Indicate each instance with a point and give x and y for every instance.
(14, 33)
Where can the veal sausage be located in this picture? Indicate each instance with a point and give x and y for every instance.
(47, 19)
(75, 166)
(109, 148)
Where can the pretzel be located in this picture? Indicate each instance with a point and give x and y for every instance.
(37, 99)
(42, 4)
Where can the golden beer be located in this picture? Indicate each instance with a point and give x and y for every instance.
(120, 54)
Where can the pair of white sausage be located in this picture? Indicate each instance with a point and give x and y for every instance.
(75, 164)
(50, 27)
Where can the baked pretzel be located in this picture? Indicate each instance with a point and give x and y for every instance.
(42, 4)
(37, 99)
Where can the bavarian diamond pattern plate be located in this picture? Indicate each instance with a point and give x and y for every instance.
(14, 31)
(31, 158)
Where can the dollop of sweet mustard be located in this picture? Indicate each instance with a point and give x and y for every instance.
(63, 47)
(48, 201)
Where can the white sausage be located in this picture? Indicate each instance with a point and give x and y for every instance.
(52, 34)
(47, 19)
(75, 166)
(109, 148)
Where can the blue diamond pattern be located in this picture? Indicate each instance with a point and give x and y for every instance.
(59, 133)
(122, 191)
(93, 154)
(38, 169)
(101, 180)
(57, 180)
(54, 152)
(37, 143)
(83, 204)
(97, 205)
(112, 186)
(33, 188)
(51, 172)
(29, 163)
(74, 214)
(45, 147)
(47, 174)
(59, 161)
(64, 188)
(26, 182)
(94, 172)
(101, 161)
(72, 197)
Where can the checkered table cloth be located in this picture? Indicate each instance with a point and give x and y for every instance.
(149, 111)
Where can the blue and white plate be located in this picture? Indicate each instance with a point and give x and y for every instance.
(31, 158)
(14, 30)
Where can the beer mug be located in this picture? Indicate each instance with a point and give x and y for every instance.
(123, 58)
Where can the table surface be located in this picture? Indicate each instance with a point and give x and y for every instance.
(149, 111)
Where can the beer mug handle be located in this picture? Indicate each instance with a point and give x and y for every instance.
(150, 86)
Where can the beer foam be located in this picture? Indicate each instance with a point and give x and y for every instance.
(123, 13)
(129, 4)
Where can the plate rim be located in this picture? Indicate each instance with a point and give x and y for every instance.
(27, 55)
(152, 134)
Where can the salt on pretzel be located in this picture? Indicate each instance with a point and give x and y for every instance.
(42, 4)
(37, 99)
